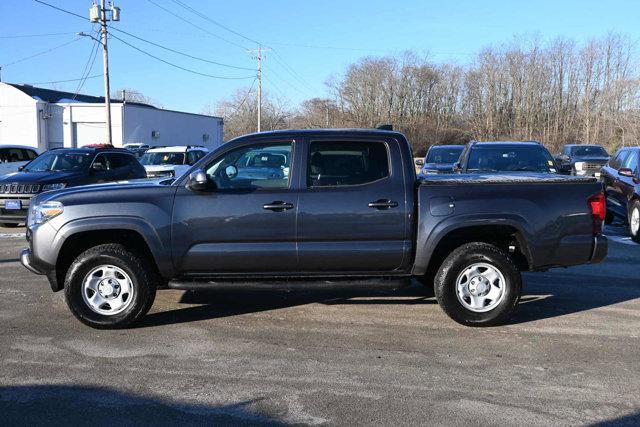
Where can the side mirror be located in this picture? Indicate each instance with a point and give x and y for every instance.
(98, 167)
(199, 181)
(457, 167)
(231, 171)
(20, 168)
(419, 162)
(625, 172)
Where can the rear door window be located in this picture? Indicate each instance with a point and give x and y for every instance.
(344, 163)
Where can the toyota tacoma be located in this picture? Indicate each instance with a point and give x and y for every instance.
(343, 205)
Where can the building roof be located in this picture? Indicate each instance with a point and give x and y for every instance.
(58, 96)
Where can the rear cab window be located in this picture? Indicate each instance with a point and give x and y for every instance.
(346, 163)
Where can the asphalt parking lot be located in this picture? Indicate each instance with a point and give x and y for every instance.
(340, 356)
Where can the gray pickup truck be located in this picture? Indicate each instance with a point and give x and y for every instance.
(337, 205)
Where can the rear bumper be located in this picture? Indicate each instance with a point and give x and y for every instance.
(600, 249)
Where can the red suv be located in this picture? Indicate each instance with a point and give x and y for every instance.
(622, 188)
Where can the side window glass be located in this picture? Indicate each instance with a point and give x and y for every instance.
(4, 155)
(631, 161)
(253, 167)
(31, 154)
(342, 163)
(102, 159)
(620, 159)
(192, 157)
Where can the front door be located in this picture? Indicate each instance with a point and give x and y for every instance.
(246, 222)
(353, 209)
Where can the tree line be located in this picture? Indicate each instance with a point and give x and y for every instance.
(556, 92)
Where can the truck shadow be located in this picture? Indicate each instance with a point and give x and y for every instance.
(546, 295)
(87, 405)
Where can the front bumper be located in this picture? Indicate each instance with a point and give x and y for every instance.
(600, 249)
(26, 260)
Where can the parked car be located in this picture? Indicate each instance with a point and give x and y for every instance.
(582, 159)
(60, 168)
(621, 180)
(171, 162)
(12, 157)
(350, 207)
(137, 148)
(441, 159)
(505, 157)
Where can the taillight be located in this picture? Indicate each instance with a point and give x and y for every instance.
(598, 207)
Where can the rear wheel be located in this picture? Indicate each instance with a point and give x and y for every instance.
(634, 221)
(478, 285)
(109, 287)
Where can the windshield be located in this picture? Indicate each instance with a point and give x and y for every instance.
(160, 158)
(510, 159)
(59, 162)
(589, 150)
(443, 155)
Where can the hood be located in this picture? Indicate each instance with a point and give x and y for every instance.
(41, 177)
(446, 167)
(122, 187)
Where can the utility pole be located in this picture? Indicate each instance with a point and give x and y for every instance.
(259, 52)
(99, 14)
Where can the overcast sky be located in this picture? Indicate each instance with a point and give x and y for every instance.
(311, 40)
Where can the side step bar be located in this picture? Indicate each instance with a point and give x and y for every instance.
(189, 284)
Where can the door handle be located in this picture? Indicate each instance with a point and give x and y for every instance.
(383, 204)
(278, 206)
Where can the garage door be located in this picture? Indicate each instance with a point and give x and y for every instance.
(88, 133)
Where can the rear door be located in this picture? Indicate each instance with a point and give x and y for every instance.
(352, 207)
(626, 184)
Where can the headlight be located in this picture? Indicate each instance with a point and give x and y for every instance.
(56, 186)
(579, 166)
(44, 212)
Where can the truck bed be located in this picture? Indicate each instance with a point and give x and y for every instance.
(520, 178)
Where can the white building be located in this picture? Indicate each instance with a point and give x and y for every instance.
(46, 118)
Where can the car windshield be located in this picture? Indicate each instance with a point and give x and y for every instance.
(162, 158)
(53, 161)
(443, 155)
(589, 150)
(510, 159)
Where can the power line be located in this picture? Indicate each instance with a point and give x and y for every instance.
(291, 71)
(66, 81)
(42, 52)
(196, 25)
(181, 53)
(84, 18)
(178, 66)
(87, 68)
(20, 36)
(205, 17)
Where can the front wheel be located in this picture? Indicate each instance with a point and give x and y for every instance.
(109, 287)
(478, 285)
(634, 221)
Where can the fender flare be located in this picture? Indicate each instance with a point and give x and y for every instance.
(426, 246)
(161, 255)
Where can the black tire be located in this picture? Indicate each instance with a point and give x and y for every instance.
(635, 205)
(138, 270)
(456, 263)
(9, 224)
